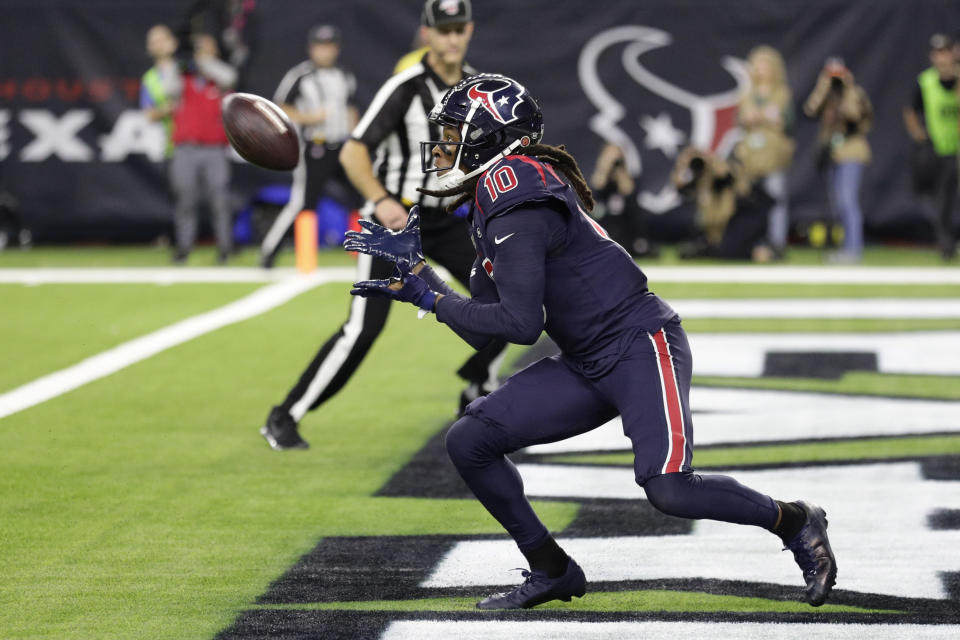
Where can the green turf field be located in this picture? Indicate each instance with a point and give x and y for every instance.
(97, 317)
(145, 504)
(617, 601)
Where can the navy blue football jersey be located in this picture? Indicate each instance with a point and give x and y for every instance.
(532, 236)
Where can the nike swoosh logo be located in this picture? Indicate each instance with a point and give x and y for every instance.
(473, 272)
(499, 240)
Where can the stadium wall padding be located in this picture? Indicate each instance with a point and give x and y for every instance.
(81, 162)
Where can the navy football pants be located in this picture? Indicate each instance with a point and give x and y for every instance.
(548, 401)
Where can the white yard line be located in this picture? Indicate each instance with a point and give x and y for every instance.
(901, 352)
(719, 273)
(805, 275)
(128, 353)
(820, 308)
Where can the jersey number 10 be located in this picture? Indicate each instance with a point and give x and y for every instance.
(500, 181)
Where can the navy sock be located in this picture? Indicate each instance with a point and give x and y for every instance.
(548, 557)
(792, 519)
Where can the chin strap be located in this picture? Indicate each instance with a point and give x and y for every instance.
(456, 177)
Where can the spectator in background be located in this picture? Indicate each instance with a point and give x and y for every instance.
(318, 96)
(616, 208)
(766, 150)
(932, 121)
(161, 84)
(200, 163)
(846, 116)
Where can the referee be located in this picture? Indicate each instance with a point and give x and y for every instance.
(382, 160)
(318, 96)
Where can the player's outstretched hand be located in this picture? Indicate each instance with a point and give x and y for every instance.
(401, 247)
(407, 288)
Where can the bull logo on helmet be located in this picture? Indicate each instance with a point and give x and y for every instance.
(492, 105)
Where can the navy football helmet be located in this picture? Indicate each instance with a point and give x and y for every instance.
(494, 115)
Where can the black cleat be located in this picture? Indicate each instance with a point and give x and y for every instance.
(538, 588)
(267, 259)
(281, 431)
(811, 549)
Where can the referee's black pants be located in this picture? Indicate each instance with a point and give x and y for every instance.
(446, 241)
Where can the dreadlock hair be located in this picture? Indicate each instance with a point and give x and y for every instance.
(555, 155)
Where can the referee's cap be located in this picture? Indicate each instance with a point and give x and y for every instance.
(324, 33)
(440, 12)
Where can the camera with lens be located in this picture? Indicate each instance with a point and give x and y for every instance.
(697, 166)
(721, 182)
(836, 70)
(184, 54)
(690, 174)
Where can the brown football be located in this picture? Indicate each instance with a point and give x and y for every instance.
(260, 131)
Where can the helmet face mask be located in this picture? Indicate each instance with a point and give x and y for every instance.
(494, 115)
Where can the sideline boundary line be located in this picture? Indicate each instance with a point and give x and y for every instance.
(133, 351)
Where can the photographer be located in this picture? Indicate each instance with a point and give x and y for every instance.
(846, 116)
(731, 215)
(617, 209)
(932, 122)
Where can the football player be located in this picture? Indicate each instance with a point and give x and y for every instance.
(544, 264)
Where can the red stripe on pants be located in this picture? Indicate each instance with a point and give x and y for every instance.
(674, 410)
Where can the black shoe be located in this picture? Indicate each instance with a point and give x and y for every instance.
(281, 431)
(811, 549)
(267, 260)
(538, 588)
(473, 391)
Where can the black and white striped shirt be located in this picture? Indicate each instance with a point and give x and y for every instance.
(394, 125)
(307, 88)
